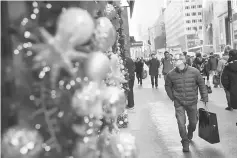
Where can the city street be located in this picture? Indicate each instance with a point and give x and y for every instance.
(153, 123)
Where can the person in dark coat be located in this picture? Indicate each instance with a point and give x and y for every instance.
(139, 70)
(154, 65)
(229, 79)
(130, 65)
(181, 85)
(198, 61)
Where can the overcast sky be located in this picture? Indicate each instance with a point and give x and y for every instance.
(145, 14)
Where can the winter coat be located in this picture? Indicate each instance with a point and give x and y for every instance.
(182, 86)
(197, 62)
(205, 68)
(188, 60)
(130, 65)
(139, 66)
(154, 65)
(221, 64)
(229, 81)
(213, 61)
(167, 65)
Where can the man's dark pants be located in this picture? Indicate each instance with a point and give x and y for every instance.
(192, 114)
(139, 77)
(227, 94)
(156, 80)
(130, 92)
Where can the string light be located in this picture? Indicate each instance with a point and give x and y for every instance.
(48, 5)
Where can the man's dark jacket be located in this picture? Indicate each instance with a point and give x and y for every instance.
(182, 86)
(153, 65)
(229, 81)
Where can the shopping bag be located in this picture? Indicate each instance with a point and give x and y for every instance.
(216, 79)
(208, 126)
(144, 74)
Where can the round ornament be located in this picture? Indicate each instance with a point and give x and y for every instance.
(75, 26)
(104, 34)
(97, 66)
(21, 142)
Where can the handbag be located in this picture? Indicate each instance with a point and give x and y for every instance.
(144, 74)
(216, 79)
(208, 126)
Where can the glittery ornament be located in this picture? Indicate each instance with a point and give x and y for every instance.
(87, 148)
(21, 142)
(121, 145)
(97, 66)
(75, 26)
(110, 11)
(114, 100)
(87, 102)
(104, 34)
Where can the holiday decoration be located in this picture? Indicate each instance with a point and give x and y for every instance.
(110, 11)
(97, 66)
(21, 142)
(104, 34)
(76, 26)
(77, 86)
(87, 101)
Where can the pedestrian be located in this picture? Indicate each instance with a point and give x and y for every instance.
(167, 64)
(198, 61)
(229, 78)
(130, 65)
(182, 84)
(205, 70)
(139, 70)
(188, 60)
(154, 65)
(213, 61)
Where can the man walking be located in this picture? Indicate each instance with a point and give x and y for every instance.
(167, 64)
(130, 65)
(182, 85)
(139, 70)
(154, 65)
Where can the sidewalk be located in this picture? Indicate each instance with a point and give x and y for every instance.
(155, 128)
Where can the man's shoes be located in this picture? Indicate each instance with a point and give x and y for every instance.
(185, 145)
(156, 87)
(152, 86)
(229, 108)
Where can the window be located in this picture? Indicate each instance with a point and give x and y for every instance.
(199, 6)
(193, 14)
(187, 14)
(195, 28)
(194, 21)
(199, 13)
(187, 7)
(200, 27)
(188, 28)
(200, 20)
(193, 6)
(187, 21)
(186, 0)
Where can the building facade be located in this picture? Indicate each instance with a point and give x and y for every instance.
(174, 25)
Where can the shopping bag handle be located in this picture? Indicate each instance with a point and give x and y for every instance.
(206, 107)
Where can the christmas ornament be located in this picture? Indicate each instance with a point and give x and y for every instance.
(87, 101)
(104, 34)
(121, 145)
(75, 27)
(86, 148)
(122, 120)
(21, 142)
(114, 100)
(110, 11)
(97, 66)
(51, 54)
